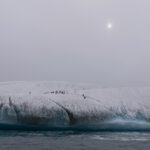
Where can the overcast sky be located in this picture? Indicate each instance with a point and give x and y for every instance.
(70, 40)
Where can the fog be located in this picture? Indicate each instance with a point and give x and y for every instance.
(69, 40)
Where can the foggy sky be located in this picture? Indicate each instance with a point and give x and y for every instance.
(68, 40)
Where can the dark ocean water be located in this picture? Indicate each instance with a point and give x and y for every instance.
(71, 140)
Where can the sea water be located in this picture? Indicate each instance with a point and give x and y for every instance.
(73, 140)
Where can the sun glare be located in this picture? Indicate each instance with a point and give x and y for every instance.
(109, 25)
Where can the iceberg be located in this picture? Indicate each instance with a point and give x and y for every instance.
(65, 106)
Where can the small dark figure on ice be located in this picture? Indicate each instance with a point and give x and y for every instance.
(83, 96)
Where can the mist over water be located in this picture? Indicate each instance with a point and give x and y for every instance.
(62, 40)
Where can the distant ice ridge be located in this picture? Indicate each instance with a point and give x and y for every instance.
(55, 105)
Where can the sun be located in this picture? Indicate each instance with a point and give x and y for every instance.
(109, 25)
